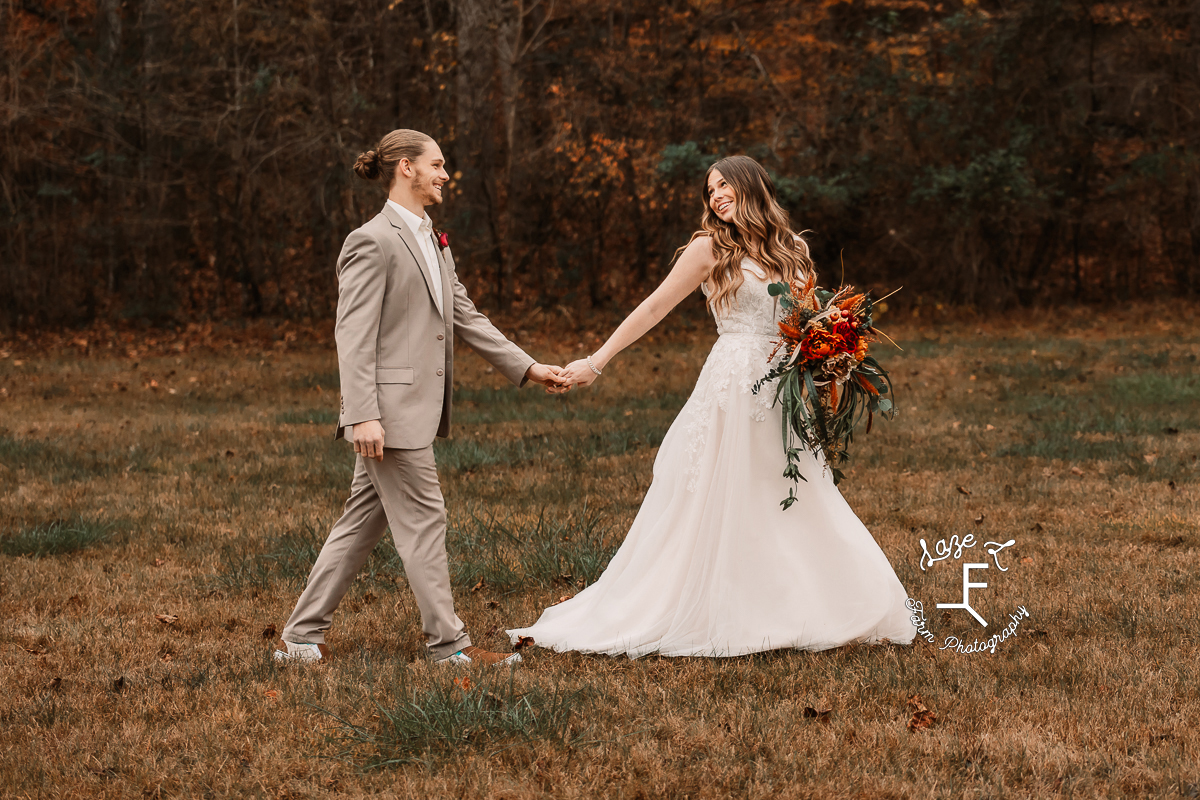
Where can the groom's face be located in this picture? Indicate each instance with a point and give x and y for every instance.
(428, 175)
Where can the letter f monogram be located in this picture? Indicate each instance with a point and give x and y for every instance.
(967, 587)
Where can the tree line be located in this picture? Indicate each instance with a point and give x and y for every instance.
(172, 160)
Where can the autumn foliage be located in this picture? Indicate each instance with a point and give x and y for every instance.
(176, 161)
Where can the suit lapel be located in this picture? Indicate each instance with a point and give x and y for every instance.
(447, 291)
(410, 241)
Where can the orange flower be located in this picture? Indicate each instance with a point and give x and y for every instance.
(821, 344)
(849, 303)
(866, 384)
(790, 332)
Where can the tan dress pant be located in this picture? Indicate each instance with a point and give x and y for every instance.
(401, 491)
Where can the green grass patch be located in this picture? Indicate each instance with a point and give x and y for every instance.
(56, 538)
(482, 712)
(509, 556)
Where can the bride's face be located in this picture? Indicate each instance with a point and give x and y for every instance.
(721, 198)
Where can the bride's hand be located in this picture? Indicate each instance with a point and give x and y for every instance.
(579, 373)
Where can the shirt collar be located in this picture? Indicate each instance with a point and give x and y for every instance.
(417, 225)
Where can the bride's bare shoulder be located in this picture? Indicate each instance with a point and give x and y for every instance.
(701, 249)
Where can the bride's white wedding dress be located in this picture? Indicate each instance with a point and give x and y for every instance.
(712, 566)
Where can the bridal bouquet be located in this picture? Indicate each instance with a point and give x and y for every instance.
(827, 380)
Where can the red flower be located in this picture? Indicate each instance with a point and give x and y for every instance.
(443, 239)
(849, 336)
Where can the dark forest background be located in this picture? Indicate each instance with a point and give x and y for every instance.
(172, 160)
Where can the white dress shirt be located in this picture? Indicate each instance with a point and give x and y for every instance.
(422, 227)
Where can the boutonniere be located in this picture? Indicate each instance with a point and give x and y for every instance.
(442, 238)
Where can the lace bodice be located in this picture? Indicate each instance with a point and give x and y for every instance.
(754, 310)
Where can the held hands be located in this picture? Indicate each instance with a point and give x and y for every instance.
(368, 439)
(548, 376)
(579, 373)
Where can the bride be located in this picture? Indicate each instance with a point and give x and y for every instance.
(712, 566)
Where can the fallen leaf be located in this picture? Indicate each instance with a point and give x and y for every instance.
(167, 619)
(1076, 471)
(922, 717)
(523, 642)
(158, 562)
(272, 693)
(979, 520)
(478, 586)
(1026, 560)
(1150, 458)
(463, 683)
(1047, 472)
(629, 412)
(269, 632)
(990, 428)
(964, 490)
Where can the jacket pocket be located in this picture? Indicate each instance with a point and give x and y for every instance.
(393, 375)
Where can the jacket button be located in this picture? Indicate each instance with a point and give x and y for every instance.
(440, 373)
(441, 336)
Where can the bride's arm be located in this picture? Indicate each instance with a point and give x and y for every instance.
(685, 277)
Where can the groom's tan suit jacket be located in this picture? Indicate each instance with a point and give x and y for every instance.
(395, 347)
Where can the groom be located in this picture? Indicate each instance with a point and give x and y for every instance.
(399, 306)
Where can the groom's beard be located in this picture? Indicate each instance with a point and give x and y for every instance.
(422, 187)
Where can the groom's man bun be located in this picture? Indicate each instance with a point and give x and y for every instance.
(381, 162)
(367, 165)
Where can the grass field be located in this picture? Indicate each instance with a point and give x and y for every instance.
(160, 512)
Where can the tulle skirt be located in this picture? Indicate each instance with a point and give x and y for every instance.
(712, 566)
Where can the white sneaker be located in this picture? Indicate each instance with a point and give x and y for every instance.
(300, 651)
(472, 655)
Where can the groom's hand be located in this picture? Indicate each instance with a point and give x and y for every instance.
(368, 439)
(548, 376)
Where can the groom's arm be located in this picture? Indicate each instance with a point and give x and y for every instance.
(483, 337)
(362, 279)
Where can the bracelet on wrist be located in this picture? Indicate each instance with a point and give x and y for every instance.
(593, 366)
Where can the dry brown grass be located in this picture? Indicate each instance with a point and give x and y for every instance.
(203, 498)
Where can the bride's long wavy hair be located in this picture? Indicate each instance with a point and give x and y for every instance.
(760, 230)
